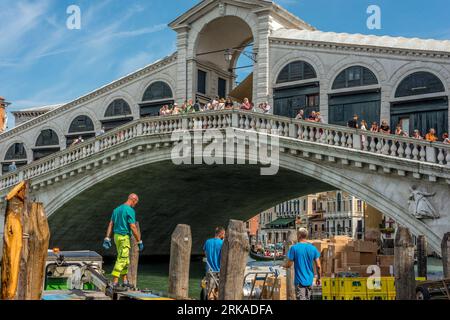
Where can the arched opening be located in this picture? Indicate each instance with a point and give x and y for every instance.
(422, 104)
(118, 113)
(46, 144)
(15, 156)
(219, 47)
(297, 88)
(355, 95)
(82, 126)
(155, 96)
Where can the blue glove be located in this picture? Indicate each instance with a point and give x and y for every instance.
(107, 243)
(141, 246)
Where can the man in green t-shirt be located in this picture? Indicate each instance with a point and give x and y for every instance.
(123, 224)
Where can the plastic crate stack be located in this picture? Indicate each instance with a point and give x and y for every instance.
(382, 288)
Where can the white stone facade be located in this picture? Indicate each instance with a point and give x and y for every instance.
(278, 38)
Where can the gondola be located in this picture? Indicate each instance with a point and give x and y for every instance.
(260, 257)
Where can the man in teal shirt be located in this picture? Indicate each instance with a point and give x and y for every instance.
(304, 255)
(123, 224)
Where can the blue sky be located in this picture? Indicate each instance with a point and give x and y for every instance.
(42, 62)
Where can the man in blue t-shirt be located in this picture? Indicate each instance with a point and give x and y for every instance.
(303, 255)
(213, 249)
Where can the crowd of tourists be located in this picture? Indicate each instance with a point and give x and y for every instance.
(384, 127)
(189, 106)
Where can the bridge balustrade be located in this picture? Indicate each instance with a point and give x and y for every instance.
(310, 132)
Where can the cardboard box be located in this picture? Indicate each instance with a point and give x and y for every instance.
(320, 245)
(367, 258)
(335, 249)
(386, 271)
(337, 264)
(341, 239)
(350, 258)
(384, 260)
(365, 246)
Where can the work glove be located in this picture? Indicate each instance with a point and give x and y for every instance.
(141, 246)
(107, 243)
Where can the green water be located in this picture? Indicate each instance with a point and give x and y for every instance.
(154, 276)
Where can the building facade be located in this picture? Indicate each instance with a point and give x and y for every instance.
(404, 81)
(324, 215)
(343, 214)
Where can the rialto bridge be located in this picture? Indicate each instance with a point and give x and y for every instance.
(404, 81)
(80, 185)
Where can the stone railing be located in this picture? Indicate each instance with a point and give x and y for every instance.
(127, 132)
(371, 142)
(312, 132)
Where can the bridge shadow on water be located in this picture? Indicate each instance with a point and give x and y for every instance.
(199, 195)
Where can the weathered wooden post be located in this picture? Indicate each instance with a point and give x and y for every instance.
(290, 273)
(180, 258)
(22, 279)
(233, 262)
(134, 259)
(39, 235)
(12, 241)
(445, 249)
(421, 256)
(405, 282)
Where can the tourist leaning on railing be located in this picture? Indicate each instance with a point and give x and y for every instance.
(399, 131)
(445, 138)
(300, 115)
(384, 128)
(417, 135)
(246, 105)
(431, 135)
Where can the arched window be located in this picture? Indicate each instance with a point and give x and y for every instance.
(46, 144)
(297, 70)
(419, 83)
(118, 107)
(355, 76)
(16, 152)
(47, 137)
(81, 124)
(157, 91)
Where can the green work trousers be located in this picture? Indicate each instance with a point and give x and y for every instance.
(123, 255)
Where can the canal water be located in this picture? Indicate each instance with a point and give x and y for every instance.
(153, 275)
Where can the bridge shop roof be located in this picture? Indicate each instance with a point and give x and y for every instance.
(363, 40)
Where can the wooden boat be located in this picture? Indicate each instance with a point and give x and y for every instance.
(260, 257)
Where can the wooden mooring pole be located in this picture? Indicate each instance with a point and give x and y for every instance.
(25, 247)
(421, 256)
(12, 242)
(38, 240)
(405, 282)
(134, 259)
(235, 251)
(290, 273)
(180, 258)
(445, 249)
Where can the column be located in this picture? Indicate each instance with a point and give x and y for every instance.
(182, 70)
(261, 71)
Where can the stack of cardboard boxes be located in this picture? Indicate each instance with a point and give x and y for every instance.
(342, 254)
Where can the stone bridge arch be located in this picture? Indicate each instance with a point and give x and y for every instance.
(88, 191)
